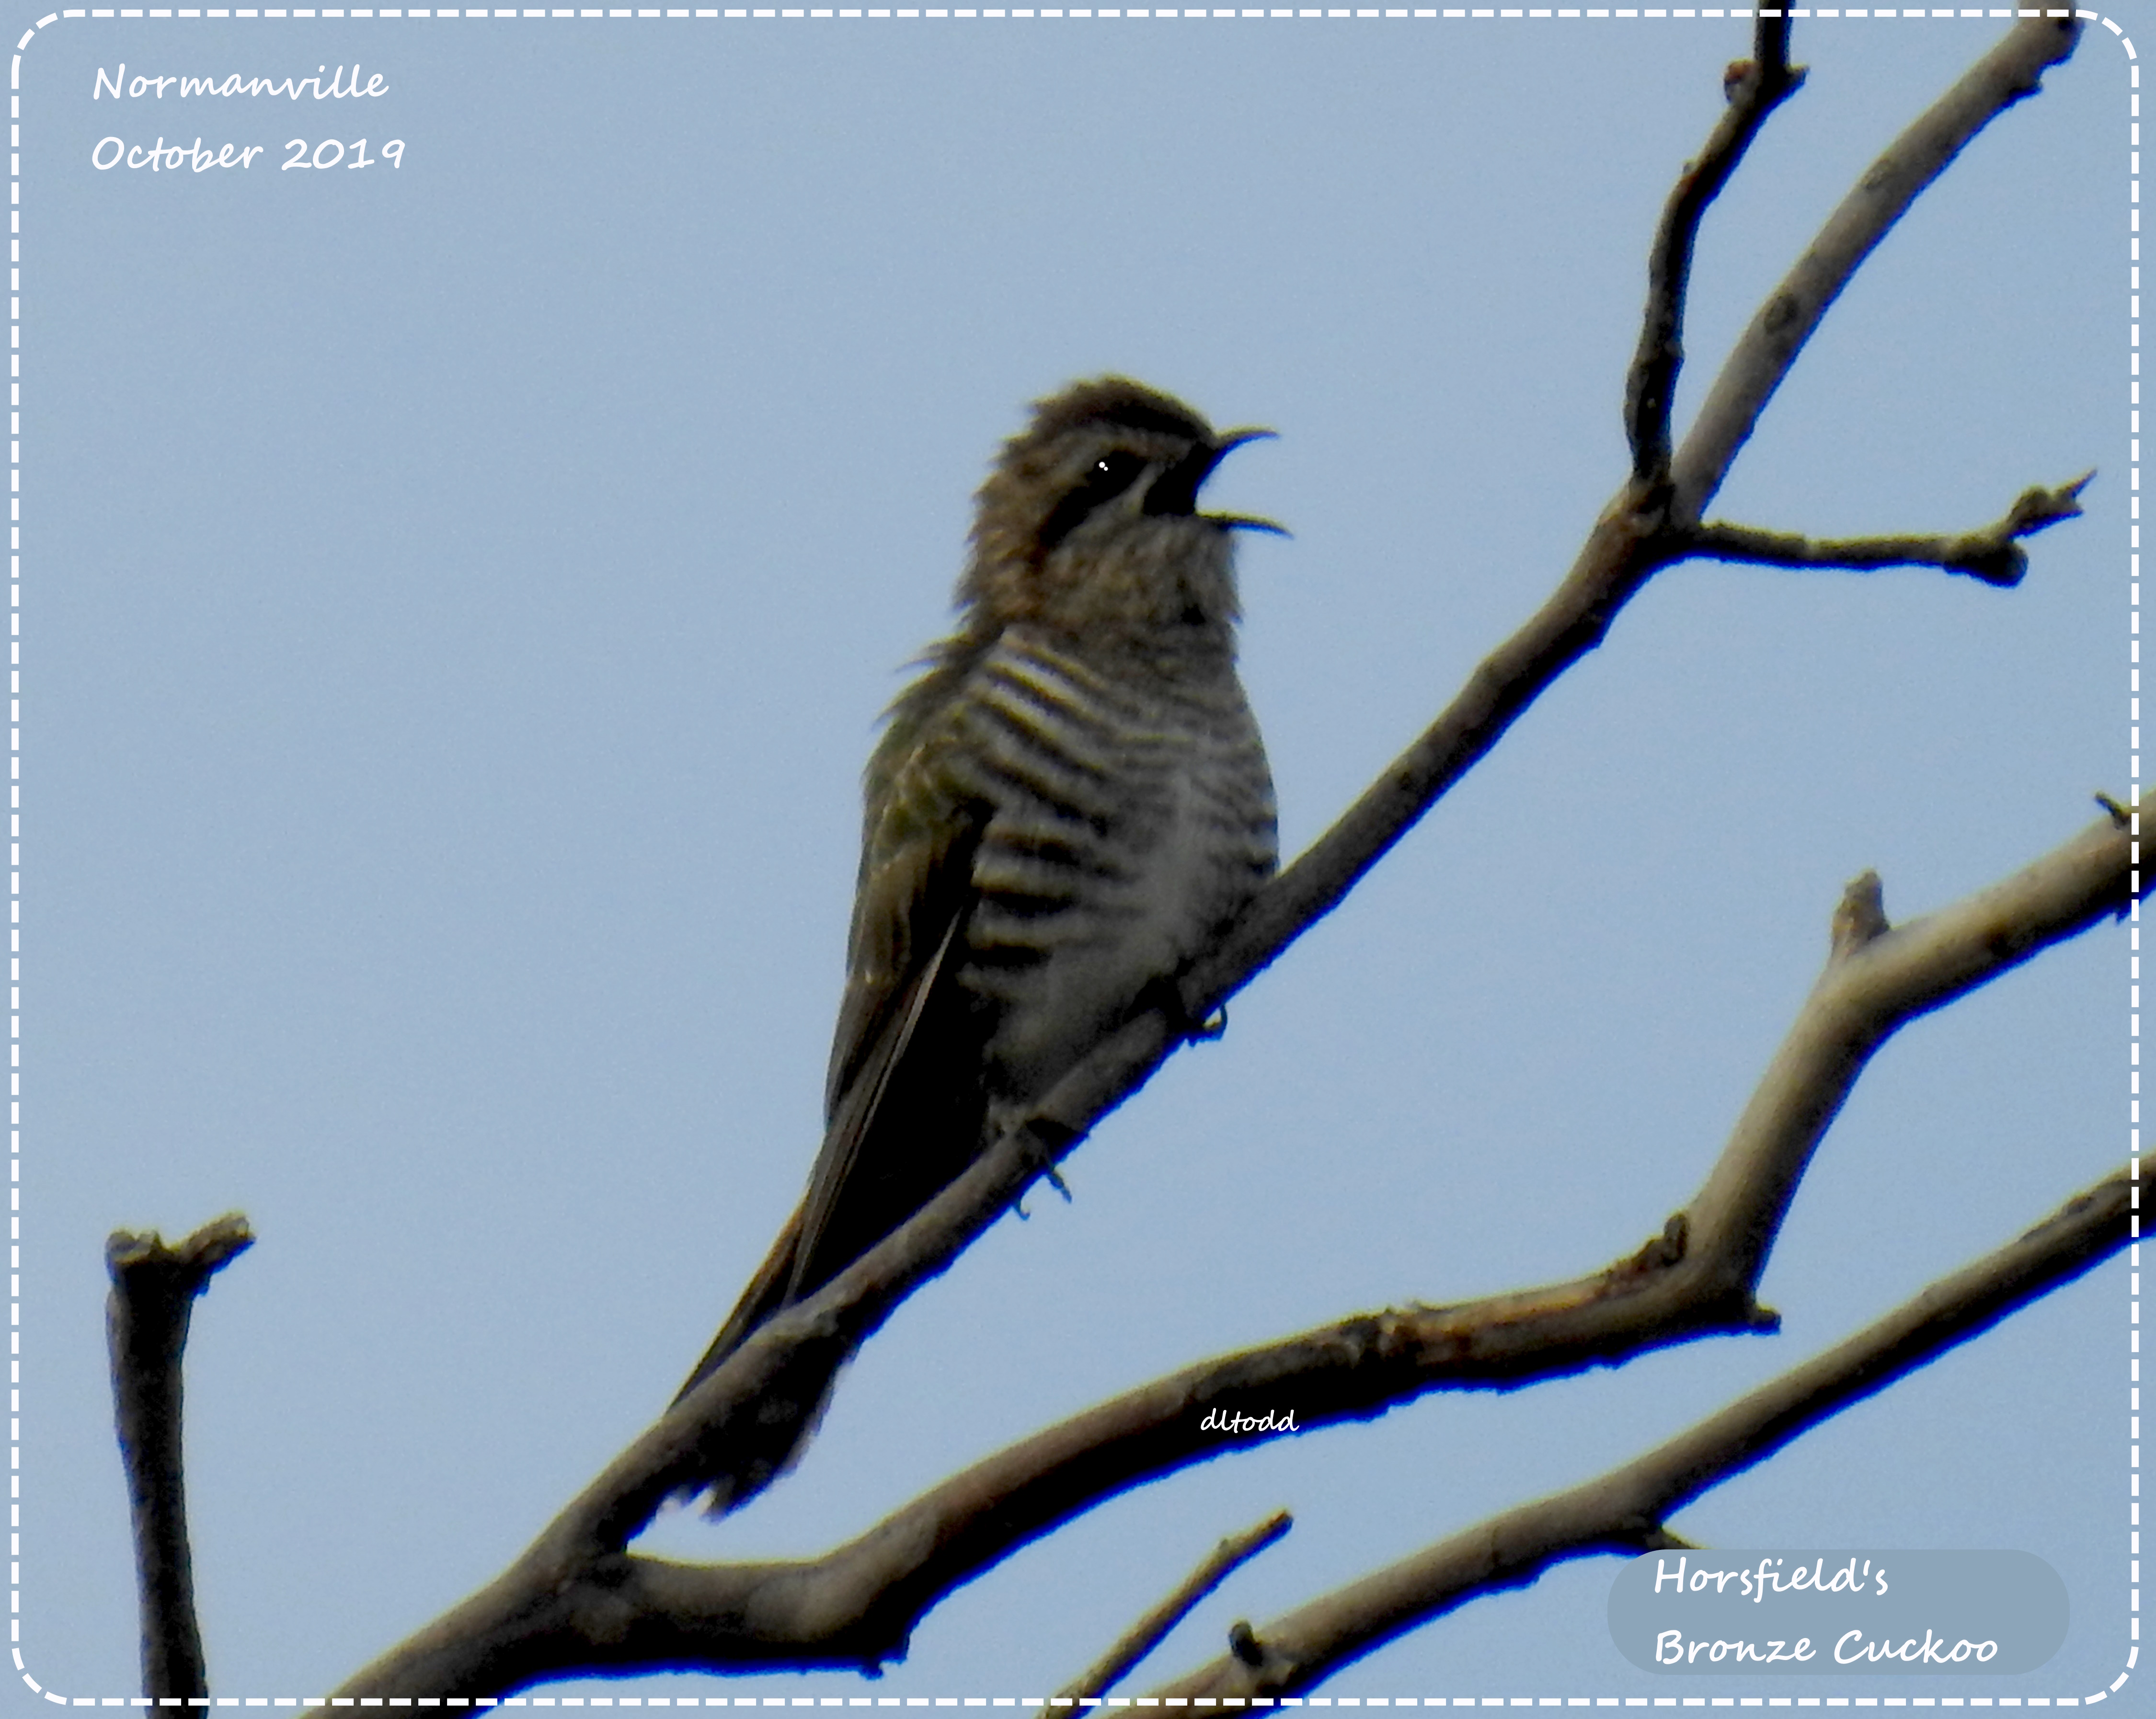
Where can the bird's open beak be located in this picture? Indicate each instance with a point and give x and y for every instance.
(1244, 521)
(1175, 491)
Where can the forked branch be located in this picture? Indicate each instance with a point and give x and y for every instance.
(1623, 1510)
(1644, 527)
(1768, 347)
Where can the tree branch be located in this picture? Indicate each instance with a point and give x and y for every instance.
(146, 1315)
(1149, 1631)
(1624, 1510)
(576, 1602)
(1643, 528)
(2011, 71)
(1754, 90)
(1993, 554)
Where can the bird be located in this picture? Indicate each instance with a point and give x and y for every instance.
(1065, 807)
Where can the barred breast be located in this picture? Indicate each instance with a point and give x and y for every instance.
(1133, 816)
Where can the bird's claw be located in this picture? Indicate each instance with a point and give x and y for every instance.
(1165, 994)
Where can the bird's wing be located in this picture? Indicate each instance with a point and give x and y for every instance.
(916, 893)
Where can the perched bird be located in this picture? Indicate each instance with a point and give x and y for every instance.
(1062, 810)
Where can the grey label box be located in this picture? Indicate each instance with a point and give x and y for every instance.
(1902, 1613)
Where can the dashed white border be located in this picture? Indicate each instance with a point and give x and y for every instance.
(1078, 12)
(1036, 1703)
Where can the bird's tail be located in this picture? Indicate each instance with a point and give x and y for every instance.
(767, 1293)
(787, 1410)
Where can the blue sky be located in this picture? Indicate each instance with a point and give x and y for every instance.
(457, 598)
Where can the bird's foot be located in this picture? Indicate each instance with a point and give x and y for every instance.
(1035, 1135)
(1165, 994)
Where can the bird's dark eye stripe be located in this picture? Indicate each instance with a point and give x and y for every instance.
(1112, 473)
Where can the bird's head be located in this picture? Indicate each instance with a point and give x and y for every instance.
(1089, 523)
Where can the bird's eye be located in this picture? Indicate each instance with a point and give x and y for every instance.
(1110, 475)
(1114, 473)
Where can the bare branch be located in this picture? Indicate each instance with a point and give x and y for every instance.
(1875, 981)
(146, 1315)
(1754, 90)
(1993, 554)
(2010, 72)
(1623, 1510)
(1642, 529)
(576, 1602)
(1149, 1631)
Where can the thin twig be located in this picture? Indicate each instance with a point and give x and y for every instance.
(1623, 1510)
(1149, 1631)
(1754, 90)
(1993, 555)
(153, 1298)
